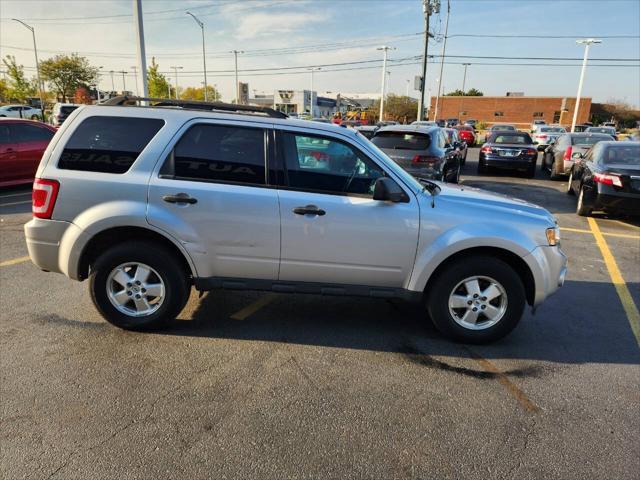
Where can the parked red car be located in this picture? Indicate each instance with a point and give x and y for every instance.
(22, 143)
(467, 134)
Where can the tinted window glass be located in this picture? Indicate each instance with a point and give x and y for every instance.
(503, 127)
(552, 129)
(607, 130)
(402, 140)
(67, 110)
(30, 133)
(326, 165)
(590, 140)
(521, 138)
(108, 144)
(621, 155)
(4, 134)
(221, 153)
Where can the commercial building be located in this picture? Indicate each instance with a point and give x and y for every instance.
(515, 109)
(296, 101)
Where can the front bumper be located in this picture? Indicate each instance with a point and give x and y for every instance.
(51, 245)
(549, 268)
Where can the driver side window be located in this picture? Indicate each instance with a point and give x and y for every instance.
(326, 165)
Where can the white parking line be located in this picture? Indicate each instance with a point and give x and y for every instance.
(14, 203)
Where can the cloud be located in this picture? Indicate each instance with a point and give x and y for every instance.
(277, 23)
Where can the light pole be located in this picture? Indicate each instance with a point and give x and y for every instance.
(124, 84)
(235, 53)
(204, 58)
(385, 49)
(135, 77)
(98, 85)
(587, 42)
(113, 85)
(35, 52)
(175, 72)
(388, 89)
(312, 69)
(407, 92)
(142, 58)
(444, 48)
(464, 78)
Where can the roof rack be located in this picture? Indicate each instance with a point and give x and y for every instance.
(124, 100)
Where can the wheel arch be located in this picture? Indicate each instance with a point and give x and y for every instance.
(513, 260)
(116, 235)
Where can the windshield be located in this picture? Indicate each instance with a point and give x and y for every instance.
(503, 127)
(609, 130)
(589, 140)
(391, 165)
(520, 138)
(628, 155)
(402, 140)
(553, 129)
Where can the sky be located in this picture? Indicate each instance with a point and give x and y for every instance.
(334, 34)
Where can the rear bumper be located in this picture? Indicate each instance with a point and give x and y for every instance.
(510, 163)
(628, 204)
(51, 245)
(549, 268)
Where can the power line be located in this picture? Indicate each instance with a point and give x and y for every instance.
(474, 35)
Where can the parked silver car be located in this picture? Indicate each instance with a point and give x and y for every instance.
(544, 135)
(147, 202)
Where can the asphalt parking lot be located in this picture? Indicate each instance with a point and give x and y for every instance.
(254, 385)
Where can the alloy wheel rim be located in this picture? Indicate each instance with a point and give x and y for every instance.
(478, 302)
(135, 289)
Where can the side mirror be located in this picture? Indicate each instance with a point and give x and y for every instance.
(387, 190)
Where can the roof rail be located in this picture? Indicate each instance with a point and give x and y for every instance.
(124, 100)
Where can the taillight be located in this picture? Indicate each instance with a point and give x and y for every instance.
(44, 197)
(567, 153)
(541, 136)
(607, 179)
(486, 150)
(532, 151)
(425, 159)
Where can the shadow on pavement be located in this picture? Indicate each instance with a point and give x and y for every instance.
(586, 324)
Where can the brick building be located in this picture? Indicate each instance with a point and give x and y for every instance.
(518, 110)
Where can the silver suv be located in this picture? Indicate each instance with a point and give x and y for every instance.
(147, 202)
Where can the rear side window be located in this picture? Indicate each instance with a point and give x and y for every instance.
(30, 133)
(621, 155)
(108, 144)
(589, 140)
(67, 110)
(402, 140)
(219, 153)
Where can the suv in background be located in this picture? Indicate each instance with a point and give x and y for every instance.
(60, 113)
(424, 152)
(147, 202)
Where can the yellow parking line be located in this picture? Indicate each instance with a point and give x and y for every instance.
(14, 203)
(511, 387)
(619, 235)
(14, 261)
(616, 278)
(254, 307)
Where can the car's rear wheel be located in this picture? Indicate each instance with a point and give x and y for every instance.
(35, 117)
(582, 209)
(553, 173)
(138, 286)
(476, 300)
(482, 168)
(531, 171)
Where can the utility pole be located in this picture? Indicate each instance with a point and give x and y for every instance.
(113, 85)
(587, 42)
(407, 92)
(235, 53)
(175, 72)
(312, 69)
(428, 7)
(124, 86)
(35, 52)
(444, 48)
(142, 58)
(98, 85)
(204, 59)
(135, 78)
(385, 49)
(464, 77)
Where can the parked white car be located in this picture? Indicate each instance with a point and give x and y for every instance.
(20, 111)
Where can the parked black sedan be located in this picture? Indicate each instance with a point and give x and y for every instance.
(509, 150)
(607, 179)
(424, 152)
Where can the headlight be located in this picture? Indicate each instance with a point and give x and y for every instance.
(553, 236)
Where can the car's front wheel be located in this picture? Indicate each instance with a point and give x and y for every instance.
(581, 208)
(476, 300)
(138, 286)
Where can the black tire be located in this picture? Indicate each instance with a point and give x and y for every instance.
(482, 168)
(531, 171)
(553, 175)
(569, 187)
(169, 269)
(543, 163)
(487, 266)
(581, 208)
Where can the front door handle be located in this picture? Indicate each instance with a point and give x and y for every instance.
(179, 198)
(309, 210)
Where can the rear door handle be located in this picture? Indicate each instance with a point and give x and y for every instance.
(309, 210)
(179, 198)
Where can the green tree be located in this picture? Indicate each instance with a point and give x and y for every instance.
(397, 107)
(67, 73)
(472, 92)
(157, 83)
(18, 87)
(4, 91)
(193, 93)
